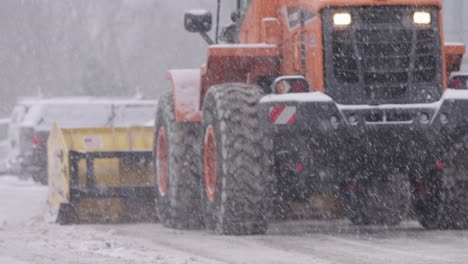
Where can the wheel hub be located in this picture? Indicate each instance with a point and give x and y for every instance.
(162, 163)
(210, 164)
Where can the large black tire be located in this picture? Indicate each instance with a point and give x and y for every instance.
(378, 200)
(179, 204)
(445, 205)
(240, 201)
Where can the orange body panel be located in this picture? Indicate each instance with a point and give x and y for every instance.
(186, 92)
(259, 9)
(269, 47)
(454, 56)
(251, 31)
(238, 63)
(272, 33)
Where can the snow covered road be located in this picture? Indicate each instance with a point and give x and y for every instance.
(28, 236)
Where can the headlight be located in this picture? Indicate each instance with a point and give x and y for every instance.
(422, 18)
(342, 19)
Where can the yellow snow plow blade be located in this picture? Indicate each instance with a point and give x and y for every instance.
(101, 175)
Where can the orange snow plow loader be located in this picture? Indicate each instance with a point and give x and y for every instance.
(346, 99)
(101, 175)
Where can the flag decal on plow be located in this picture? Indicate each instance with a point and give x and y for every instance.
(283, 115)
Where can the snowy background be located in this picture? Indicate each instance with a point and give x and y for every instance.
(111, 47)
(93, 47)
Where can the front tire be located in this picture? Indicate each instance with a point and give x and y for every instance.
(238, 178)
(177, 168)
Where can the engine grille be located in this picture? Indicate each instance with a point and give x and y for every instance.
(384, 56)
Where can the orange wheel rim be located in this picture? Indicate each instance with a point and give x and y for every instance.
(162, 163)
(210, 164)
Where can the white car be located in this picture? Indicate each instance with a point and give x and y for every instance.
(18, 114)
(4, 123)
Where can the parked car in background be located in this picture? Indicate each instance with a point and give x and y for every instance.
(459, 81)
(21, 109)
(4, 124)
(73, 113)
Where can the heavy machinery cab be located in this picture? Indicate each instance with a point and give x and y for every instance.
(359, 52)
(379, 53)
(230, 33)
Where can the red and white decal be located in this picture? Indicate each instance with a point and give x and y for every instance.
(283, 115)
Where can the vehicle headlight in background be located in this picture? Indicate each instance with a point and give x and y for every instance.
(342, 19)
(422, 18)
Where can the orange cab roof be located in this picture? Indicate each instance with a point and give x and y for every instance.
(317, 5)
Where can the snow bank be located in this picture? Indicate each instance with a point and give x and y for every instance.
(20, 200)
(8, 260)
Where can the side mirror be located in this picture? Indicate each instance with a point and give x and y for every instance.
(198, 21)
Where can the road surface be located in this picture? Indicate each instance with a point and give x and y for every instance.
(29, 236)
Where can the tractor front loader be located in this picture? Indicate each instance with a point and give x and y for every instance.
(304, 98)
(101, 175)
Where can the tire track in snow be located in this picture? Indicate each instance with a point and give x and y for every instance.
(26, 235)
(250, 249)
(386, 254)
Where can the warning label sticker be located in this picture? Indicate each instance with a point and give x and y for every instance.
(92, 142)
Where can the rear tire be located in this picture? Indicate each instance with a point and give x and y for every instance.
(178, 169)
(378, 200)
(445, 205)
(238, 178)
